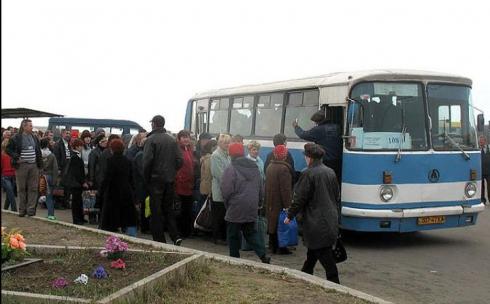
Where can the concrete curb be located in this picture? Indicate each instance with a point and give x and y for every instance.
(230, 260)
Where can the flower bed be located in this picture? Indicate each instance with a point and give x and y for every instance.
(56, 275)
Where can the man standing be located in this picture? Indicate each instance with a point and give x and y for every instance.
(26, 159)
(161, 160)
(485, 171)
(317, 197)
(62, 151)
(327, 135)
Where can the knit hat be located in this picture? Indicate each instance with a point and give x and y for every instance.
(99, 131)
(280, 152)
(235, 150)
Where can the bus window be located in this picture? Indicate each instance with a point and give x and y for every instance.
(117, 131)
(301, 106)
(218, 115)
(241, 115)
(133, 131)
(269, 115)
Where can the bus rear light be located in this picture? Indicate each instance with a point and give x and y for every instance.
(473, 174)
(387, 178)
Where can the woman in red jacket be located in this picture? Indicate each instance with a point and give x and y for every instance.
(8, 178)
(184, 183)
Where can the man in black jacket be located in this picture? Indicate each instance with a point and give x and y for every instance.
(317, 197)
(161, 160)
(26, 159)
(485, 164)
(62, 150)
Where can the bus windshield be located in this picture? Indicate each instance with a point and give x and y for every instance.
(452, 117)
(387, 116)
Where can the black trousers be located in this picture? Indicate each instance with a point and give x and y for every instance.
(487, 178)
(185, 219)
(76, 205)
(326, 259)
(218, 212)
(162, 212)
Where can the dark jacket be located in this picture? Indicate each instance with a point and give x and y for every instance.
(102, 165)
(241, 188)
(326, 135)
(140, 190)
(317, 197)
(161, 158)
(118, 209)
(289, 160)
(278, 192)
(485, 162)
(184, 180)
(76, 169)
(95, 175)
(14, 149)
(59, 151)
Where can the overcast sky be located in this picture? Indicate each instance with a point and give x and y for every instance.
(134, 59)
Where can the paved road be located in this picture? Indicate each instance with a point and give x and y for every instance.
(440, 266)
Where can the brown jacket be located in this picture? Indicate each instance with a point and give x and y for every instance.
(278, 191)
(206, 177)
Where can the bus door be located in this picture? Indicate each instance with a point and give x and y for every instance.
(201, 117)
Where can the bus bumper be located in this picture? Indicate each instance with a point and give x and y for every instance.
(407, 220)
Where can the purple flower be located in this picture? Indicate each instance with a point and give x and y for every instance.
(100, 273)
(60, 283)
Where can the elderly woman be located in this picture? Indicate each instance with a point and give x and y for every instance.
(278, 194)
(253, 154)
(118, 209)
(219, 161)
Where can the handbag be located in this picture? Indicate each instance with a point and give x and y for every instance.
(287, 234)
(204, 220)
(338, 251)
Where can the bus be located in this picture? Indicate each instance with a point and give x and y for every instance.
(410, 158)
(77, 125)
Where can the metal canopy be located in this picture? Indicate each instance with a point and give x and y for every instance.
(26, 113)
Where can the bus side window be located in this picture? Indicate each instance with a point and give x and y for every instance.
(218, 115)
(301, 105)
(269, 114)
(241, 116)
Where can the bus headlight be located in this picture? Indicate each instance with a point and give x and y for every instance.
(386, 193)
(470, 190)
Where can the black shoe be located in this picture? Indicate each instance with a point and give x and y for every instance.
(178, 242)
(79, 222)
(284, 251)
(265, 259)
(22, 214)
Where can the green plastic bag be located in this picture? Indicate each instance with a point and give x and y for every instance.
(147, 207)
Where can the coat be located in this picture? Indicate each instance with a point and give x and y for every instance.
(328, 135)
(77, 171)
(485, 162)
(118, 209)
(317, 197)
(59, 151)
(206, 177)
(14, 149)
(289, 160)
(241, 187)
(184, 179)
(95, 174)
(140, 190)
(278, 192)
(219, 161)
(161, 158)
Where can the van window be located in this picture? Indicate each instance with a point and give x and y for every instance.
(301, 105)
(269, 114)
(241, 116)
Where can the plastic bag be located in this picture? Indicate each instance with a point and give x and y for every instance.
(287, 234)
(204, 220)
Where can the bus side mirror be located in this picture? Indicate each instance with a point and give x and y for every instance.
(480, 122)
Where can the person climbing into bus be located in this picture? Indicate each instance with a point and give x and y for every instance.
(326, 134)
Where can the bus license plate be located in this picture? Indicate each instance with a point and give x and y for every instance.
(430, 220)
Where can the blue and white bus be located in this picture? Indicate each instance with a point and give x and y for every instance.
(410, 155)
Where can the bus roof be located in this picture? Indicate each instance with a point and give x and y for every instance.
(338, 79)
(93, 121)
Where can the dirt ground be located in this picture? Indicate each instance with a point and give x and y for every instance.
(220, 283)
